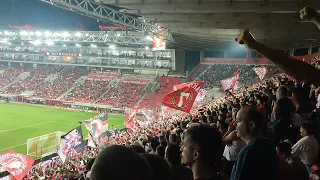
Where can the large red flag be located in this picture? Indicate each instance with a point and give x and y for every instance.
(18, 165)
(129, 121)
(183, 97)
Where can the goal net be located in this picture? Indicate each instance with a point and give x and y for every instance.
(44, 145)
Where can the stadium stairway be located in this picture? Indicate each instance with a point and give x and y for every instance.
(202, 72)
(22, 76)
(81, 80)
(149, 88)
(112, 83)
(195, 72)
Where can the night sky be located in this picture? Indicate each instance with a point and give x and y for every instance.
(41, 15)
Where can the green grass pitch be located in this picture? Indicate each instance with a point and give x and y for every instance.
(19, 122)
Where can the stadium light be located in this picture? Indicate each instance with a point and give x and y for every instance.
(49, 43)
(31, 33)
(5, 41)
(23, 33)
(112, 46)
(149, 38)
(36, 42)
(48, 33)
(147, 48)
(78, 34)
(64, 45)
(93, 45)
(118, 34)
(6, 33)
(56, 34)
(65, 34)
(38, 33)
(9, 43)
(78, 45)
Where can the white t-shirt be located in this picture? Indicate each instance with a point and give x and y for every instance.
(231, 152)
(318, 101)
(307, 149)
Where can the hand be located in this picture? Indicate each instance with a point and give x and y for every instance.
(246, 38)
(307, 13)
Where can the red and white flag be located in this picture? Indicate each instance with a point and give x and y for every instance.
(129, 121)
(231, 83)
(261, 71)
(201, 95)
(183, 97)
(166, 112)
(18, 165)
(148, 113)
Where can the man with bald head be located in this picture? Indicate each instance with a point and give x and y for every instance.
(258, 160)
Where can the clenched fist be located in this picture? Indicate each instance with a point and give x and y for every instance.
(246, 38)
(307, 13)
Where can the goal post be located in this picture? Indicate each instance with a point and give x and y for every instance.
(40, 146)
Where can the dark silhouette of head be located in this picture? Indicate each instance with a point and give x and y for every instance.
(120, 162)
(160, 168)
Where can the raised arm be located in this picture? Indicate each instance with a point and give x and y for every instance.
(300, 70)
(310, 14)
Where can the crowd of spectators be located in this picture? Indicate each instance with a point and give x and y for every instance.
(126, 94)
(87, 92)
(10, 74)
(215, 73)
(53, 88)
(95, 85)
(35, 79)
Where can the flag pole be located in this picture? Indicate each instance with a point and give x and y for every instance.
(94, 142)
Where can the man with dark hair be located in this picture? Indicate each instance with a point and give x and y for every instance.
(120, 162)
(137, 148)
(283, 111)
(160, 167)
(307, 148)
(258, 160)
(173, 156)
(154, 144)
(202, 150)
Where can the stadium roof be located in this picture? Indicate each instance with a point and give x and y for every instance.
(209, 24)
(212, 23)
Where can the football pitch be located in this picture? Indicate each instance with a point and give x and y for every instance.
(19, 122)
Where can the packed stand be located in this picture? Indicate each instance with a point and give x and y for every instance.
(64, 80)
(247, 76)
(10, 74)
(154, 99)
(36, 78)
(127, 93)
(95, 85)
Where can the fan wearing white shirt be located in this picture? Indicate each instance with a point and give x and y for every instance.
(307, 148)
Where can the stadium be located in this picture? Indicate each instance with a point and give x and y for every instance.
(160, 84)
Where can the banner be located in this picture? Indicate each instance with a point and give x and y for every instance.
(98, 130)
(261, 72)
(183, 97)
(231, 83)
(202, 93)
(63, 54)
(148, 113)
(129, 121)
(18, 165)
(72, 142)
(166, 112)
